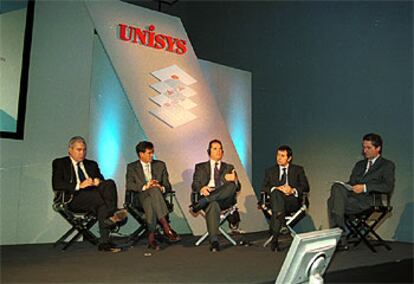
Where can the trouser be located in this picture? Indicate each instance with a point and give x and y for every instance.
(154, 206)
(281, 205)
(221, 198)
(343, 201)
(101, 200)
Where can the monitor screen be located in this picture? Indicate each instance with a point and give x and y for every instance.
(309, 256)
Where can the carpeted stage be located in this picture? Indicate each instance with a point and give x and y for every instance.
(184, 263)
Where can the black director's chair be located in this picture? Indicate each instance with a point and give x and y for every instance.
(362, 225)
(81, 222)
(290, 219)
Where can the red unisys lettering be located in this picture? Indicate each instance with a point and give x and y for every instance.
(151, 39)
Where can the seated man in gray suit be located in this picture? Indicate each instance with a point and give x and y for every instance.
(217, 183)
(149, 178)
(372, 174)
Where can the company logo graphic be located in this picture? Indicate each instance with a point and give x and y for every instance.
(173, 100)
(152, 39)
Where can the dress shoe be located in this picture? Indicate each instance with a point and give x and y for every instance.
(172, 236)
(108, 248)
(120, 215)
(342, 244)
(215, 246)
(117, 219)
(153, 245)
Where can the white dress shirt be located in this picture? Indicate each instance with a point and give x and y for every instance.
(211, 183)
(75, 166)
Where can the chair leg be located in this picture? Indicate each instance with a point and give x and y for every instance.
(227, 236)
(201, 239)
(75, 238)
(137, 235)
(361, 228)
(268, 241)
(64, 237)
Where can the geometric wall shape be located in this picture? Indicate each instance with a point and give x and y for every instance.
(130, 35)
(115, 130)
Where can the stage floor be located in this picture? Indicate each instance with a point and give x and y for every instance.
(177, 263)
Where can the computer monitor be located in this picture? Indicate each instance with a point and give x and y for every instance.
(309, 256)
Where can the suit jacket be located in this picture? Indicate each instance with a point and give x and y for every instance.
(296, 179)
(202, 175)
(135, 178)
(64, 177)
(379, 178)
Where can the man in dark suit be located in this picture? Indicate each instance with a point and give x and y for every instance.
(285, 183)
(86, 189)
(149, 178)
(217, 184)
(372, 174)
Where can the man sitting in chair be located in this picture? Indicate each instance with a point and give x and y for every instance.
(372, 174)
(87, 190)
(217, 184)
(285, 183)
(149, 178)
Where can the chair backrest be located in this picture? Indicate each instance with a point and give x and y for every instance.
(264, 203)
(381, 201)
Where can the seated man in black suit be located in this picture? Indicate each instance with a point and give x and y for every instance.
(372, 174)
(149, 178)
(217, 183)
(285, 183)
(87, 189)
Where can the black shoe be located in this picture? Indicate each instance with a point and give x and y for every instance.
(172, 236)
(343, 244)
(153, 245)
(200, 205)
(215, 246)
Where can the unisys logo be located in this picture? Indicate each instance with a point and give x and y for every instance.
(152, 39)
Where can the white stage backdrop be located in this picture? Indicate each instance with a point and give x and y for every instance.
(162, 78)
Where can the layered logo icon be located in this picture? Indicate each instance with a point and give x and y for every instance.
(174, 98)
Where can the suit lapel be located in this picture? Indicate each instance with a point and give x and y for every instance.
(375, 166)
(222, 169)
(277, 173)
(290, 173)
(71, 170)
(139, 170)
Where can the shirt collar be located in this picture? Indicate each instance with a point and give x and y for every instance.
(74, 163)
(284, 167)
(144, 164)
(213, 163)
(375, 159)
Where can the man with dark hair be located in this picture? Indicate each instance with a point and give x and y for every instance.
(87, 189)
(285, 183)
(217, 184)
(149, 178)
(372, 174)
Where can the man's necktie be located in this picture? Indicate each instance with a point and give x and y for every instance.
(283, 178)
(217, 180)
(81, 175)
(147, 172)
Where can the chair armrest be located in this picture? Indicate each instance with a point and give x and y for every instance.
(380, 199)
(263, 197)
(59, 199)
(305, 199)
